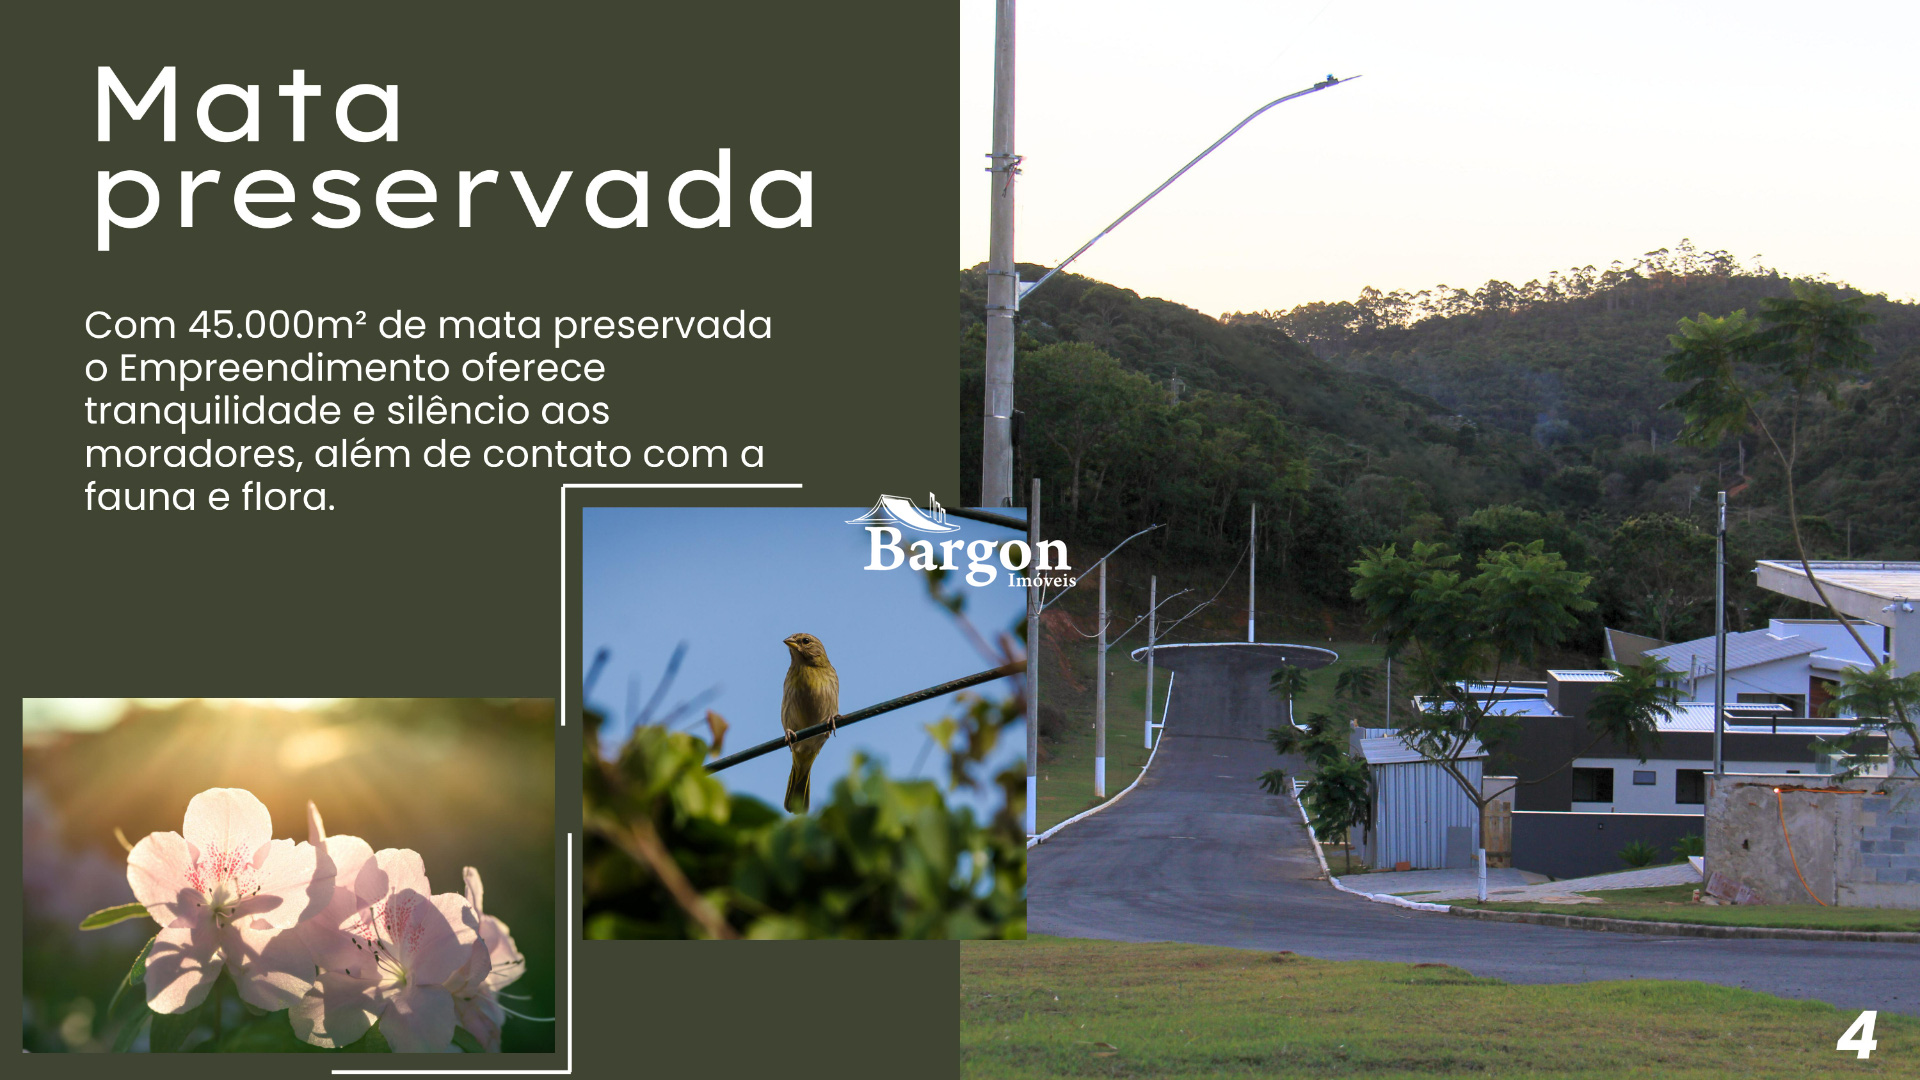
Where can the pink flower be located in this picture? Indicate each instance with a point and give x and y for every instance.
(392, 962)
(476, 999)
(285, 963)
(225, 878)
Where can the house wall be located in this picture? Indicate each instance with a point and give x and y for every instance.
(1833, 638)
(1659, 797)
(1788, 676)
(1544, 743)
(1413, 805)
(1568, 845)
(1852, 850)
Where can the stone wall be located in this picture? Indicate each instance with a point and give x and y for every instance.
(1860, 848)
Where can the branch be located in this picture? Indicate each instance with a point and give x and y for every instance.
(642, 844)
(869, 713)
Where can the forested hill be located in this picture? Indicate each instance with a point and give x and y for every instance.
(1503, 412)
(1565, 358)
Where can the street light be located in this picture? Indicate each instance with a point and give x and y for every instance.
(996, 458)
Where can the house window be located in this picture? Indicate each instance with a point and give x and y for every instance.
(1690, 787)
(1593, 785)
(1644, 777)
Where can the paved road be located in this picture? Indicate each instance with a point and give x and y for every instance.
(1198, 853)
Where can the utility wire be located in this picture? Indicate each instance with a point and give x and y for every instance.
(869, 713)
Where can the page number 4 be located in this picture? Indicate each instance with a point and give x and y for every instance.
(1860, 1035)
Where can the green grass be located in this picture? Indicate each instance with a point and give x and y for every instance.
(1671, 903)
(1064, 1007)
(1066, 763)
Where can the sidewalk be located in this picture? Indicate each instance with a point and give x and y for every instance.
(1439, 886)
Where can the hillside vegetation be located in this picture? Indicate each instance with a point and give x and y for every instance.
(1472, 416)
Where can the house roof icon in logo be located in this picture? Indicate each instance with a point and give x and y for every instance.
(900, 510)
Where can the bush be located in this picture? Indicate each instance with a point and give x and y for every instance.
(1690, 844)
(1639, 854)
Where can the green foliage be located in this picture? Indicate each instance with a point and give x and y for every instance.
(1628, 709)
(106, 917)
(880, 859)
(1690, 845)
(1883, 705)
(1658, 578)
(1638, 853)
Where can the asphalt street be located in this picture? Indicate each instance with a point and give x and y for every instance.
(1199, 853)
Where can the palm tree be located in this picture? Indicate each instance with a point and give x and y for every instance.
(1288, 680)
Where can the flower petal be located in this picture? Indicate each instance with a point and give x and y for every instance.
(316, 830)
(337, 1010)
(482, 1016)
(426, 939)
(227, 819)
(274, 968)
(504, 961)
(475, 891)
(286, 889)
(157, 869)
(182, 967)
(419, 1020)
(404, 869)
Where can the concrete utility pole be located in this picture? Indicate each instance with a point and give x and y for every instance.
(1720, 638)
(1100, 698)
(1253, 555)
(996, 452)
(1033, 663)
(1153, 621)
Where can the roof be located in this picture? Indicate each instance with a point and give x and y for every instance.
(1584, 675)
(1886, 580)
(1744, 650)
(1625, 648)
(1393, 750)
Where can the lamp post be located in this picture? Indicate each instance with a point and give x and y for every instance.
(1004, 289)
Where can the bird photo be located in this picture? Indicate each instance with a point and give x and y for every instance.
(784, 743)
(810, 696)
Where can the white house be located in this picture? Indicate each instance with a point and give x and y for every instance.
(1793, 662)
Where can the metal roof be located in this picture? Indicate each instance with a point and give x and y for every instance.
(1393, 750)
(1886, 580)
(1584, 676)
(1744, 650)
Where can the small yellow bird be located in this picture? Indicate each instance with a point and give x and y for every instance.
(810, 696)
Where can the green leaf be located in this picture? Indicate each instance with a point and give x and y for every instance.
(127, 1013)
(109, 916)
(373, 1042)
(464, 1039)
(171, 1031)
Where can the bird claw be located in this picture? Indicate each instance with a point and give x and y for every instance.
(788, 735)
(833, 725)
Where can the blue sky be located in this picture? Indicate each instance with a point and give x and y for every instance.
(733, 583)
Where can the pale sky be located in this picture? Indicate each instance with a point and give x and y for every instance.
(1484, 140)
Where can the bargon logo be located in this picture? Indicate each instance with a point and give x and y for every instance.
(892, 515)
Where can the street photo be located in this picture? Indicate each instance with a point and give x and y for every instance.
(1515, 676)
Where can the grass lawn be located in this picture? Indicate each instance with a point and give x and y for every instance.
(1066, 763)
(1670, 903)
(1067, 1007)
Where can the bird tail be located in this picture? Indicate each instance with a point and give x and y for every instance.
(799, 784)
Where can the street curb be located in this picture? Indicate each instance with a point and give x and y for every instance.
(1313, 840)
(1036, 841)
(1670, 929)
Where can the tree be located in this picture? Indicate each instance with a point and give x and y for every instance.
(1884, 704)
(1800, 348)
(1659, 571)
(1289, 680)
(1455, 630)
(1338, 794)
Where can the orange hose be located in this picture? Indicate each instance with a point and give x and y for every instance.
(1781, 803)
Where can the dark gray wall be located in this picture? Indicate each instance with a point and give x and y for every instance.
(1577, 845)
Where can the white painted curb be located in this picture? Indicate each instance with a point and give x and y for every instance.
(1378, 898)
(1045, 836)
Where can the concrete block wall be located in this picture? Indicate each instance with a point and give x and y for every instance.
(1855, 849)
